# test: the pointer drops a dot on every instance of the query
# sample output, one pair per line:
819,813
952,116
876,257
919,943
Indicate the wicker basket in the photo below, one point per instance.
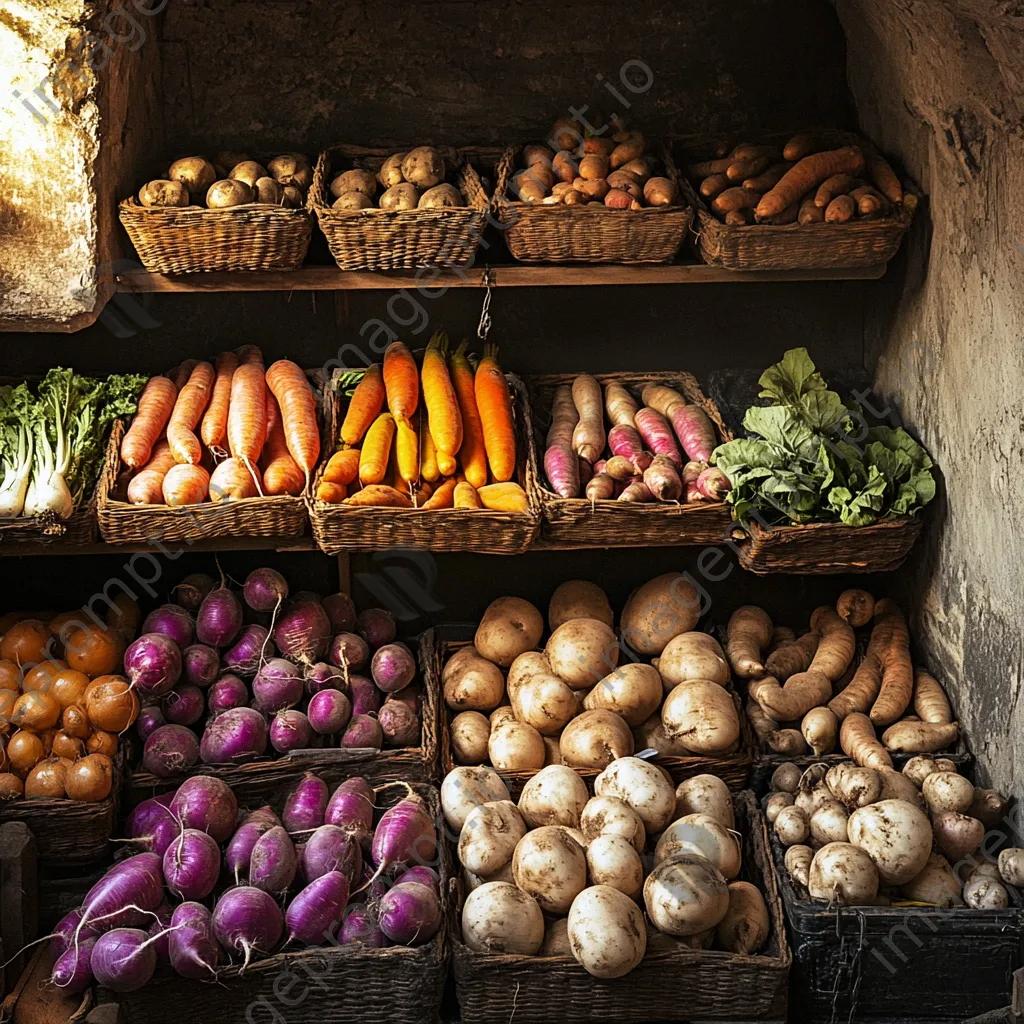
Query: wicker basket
700,985
69,831
376,239
578,522
28,533
542,233
192,239
732,769
820,549
858,243
340,527
331,984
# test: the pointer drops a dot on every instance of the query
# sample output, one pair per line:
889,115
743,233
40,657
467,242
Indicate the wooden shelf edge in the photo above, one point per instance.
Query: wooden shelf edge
507,276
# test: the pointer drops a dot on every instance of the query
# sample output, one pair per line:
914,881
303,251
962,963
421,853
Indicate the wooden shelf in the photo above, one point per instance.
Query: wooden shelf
305,543
312,279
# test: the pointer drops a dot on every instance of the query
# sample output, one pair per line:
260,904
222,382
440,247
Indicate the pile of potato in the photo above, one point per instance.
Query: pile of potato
566,874
873,836
812,693
573,169
803,182
520,707
231,179
407,181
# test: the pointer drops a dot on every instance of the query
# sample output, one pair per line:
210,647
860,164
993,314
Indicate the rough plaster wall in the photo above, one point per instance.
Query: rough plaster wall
942,85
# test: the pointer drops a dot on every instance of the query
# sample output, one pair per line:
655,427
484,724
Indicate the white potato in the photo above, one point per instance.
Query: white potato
693,656
556,938
791,826
470,732
686,895
509,627
582,651
746,926
499,918
643,786
489,837
702,835
556,795
705,794
651,735
515,746
550,866
798,863
468,787
579,599
935,883
947,791
702,715
472,683
633,690
607,815
896,835
595,739
611,860
607,933
545,702
658,611
843,873
828,824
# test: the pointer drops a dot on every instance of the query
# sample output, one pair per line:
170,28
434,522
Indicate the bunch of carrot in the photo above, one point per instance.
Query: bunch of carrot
455,449
222,431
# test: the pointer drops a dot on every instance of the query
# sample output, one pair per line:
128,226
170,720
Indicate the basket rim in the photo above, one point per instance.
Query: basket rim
131,207
754,530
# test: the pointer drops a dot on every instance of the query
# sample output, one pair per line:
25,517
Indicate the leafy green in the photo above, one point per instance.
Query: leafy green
808,462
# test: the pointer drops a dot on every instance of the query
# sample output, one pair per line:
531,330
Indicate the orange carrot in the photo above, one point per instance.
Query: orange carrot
378,494
192,401
155,407
298,412
443,497
428,455
249,354
806,175
342,467
472,454
465,496
281,473
441,402
247,414
401,381
504,497
364,406
333,494
373,456
214,430
233,479
181,373
494,402
146,487
186,485
407,451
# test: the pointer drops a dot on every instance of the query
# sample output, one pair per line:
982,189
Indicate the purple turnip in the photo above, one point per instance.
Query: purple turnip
278,685
329,712
341,611
273,862
399,724
316,912
393,667
200,665
264,590
227,693
234,737
348,651
192,865
376,626
410,914
306,805
239,849
173,621
332,848
290,730
191,946
247,919
123,959
303,630
170,750
153,664
363,732
219,618
250,651
205,803
185,704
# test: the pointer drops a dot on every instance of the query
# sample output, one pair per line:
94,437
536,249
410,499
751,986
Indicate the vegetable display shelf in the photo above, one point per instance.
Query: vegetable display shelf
494,988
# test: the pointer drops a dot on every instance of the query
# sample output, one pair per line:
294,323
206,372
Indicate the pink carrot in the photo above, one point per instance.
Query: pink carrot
563,471
637,491
601,487
713,483
657,434
626,441
662,479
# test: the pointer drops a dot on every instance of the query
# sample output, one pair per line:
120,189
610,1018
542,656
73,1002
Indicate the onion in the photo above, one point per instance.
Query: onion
332,848
273,861
303,630
290,730
341,611
123,959
410,914
361,925
393,667
191,947
376,626
173,621
170,750
399,724
366,697
153,664
185,704
152,825
90,779
329,712
207,804
363,731
200,665
316,912
323,676
235,736
71,969
110,703
149,720
247,919
347,650
219,618
277,685
306,805
227,693
189,593
192,865
264,590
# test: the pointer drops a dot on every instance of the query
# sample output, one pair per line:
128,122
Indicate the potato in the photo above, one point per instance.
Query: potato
499,918
224,159
470,732
567,134
829,824
354,181
651,735
633,690
842,873
527,666
536,153
489,836
896,835
391,170
515,747
595,191
935,883
528,190
607,933
544,702
400,197
660,192
509,627
791,826
194,172
556,938
228,192
164,193
423,167
291,169
986,894
705,794
746,926
857,787
607,815
565,167
464,789
551,867
685,895
441,196
693,656
267,190
641,168
658,611
700,834
594,166
500,715
556,795
947,791
702,715
611,860
471,682
625,181
956,835
582,651
579,599
617,199
896,786
595,739
775,804
248,171
643,786
1011,866
292,198
918,768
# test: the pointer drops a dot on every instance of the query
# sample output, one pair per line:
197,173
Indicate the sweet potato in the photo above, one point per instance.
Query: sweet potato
742,169
768,178
837,646
748,634
620,405
920,737
756,151
662,479
588,438
837,185
858,697
807,175
637,491
713,184
736,199
882,174
897,687
870,202
801,145
792,700
858,741
855,606
820,728
840,210
809,213
739,218
708,167
930,701
788,216
792,657
379,494
601,487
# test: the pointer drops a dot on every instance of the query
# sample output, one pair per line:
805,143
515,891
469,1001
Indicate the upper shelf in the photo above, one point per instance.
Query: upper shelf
313,279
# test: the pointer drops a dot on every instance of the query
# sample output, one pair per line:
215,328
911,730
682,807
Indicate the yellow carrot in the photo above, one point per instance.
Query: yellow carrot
342,467
401,381
428,456
439,397
472,454
331,492
494,403
443,497
407,449
373,456
466,496
378,494
504,497
364,406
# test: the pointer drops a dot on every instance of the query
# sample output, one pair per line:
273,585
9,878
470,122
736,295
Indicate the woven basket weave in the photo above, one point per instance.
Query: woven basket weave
732,769
698,985
27,533
857,243
591,233
376,239
341,527
579,522
192,239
